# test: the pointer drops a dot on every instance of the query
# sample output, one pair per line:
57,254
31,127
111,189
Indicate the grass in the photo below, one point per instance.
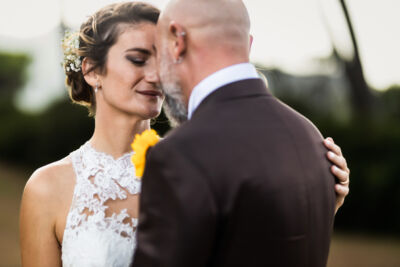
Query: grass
360,250
12,183
347,250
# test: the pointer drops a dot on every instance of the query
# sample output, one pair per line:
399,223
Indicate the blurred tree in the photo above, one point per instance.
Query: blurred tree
391,102
14,125
12,74
362,99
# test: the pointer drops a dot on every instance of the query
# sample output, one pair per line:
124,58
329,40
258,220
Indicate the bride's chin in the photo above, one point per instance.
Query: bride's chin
153,111
150,114
155,114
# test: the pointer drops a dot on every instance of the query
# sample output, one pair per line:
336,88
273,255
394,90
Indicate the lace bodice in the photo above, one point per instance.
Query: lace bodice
97,233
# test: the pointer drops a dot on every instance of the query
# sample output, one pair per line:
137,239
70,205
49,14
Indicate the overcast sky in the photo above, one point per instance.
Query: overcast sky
288,34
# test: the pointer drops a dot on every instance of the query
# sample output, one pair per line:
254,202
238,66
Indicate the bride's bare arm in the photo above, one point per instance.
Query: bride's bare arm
39,245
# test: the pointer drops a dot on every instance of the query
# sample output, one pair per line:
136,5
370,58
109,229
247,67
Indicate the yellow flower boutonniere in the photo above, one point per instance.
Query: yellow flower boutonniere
140,145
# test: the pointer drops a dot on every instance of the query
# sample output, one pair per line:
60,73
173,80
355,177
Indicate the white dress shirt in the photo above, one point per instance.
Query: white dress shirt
219,79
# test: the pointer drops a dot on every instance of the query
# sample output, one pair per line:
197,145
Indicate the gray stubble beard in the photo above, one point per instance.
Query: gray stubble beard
174,105
175,109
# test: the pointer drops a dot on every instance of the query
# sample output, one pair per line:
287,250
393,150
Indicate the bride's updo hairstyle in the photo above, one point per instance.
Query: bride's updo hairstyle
94,40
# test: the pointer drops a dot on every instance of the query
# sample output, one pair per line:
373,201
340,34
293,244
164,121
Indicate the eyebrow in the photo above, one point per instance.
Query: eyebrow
137,49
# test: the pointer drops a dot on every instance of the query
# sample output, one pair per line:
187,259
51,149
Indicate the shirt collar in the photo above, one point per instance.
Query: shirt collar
219,79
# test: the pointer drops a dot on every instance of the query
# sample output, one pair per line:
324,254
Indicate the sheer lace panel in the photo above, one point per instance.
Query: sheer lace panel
100,228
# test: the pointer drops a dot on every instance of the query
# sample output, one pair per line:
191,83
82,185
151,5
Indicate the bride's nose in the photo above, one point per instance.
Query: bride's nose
151,74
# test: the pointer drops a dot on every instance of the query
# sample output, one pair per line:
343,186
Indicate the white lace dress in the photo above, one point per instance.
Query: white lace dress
96,235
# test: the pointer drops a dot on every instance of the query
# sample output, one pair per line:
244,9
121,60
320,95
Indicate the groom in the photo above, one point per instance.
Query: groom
244,182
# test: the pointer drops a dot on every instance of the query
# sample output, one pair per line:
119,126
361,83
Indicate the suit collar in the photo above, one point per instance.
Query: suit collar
241,89
219,79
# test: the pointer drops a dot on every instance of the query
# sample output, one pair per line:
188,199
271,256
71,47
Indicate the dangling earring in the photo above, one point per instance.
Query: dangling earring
96,88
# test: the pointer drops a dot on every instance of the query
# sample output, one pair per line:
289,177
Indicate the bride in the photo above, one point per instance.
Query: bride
82,210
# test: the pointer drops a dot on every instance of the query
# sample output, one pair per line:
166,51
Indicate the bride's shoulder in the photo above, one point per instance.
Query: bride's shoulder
45,199
50,182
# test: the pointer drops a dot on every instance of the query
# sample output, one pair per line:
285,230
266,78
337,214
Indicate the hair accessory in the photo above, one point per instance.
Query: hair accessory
70,44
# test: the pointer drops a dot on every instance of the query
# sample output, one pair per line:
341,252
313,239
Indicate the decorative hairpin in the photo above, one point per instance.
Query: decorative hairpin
72,61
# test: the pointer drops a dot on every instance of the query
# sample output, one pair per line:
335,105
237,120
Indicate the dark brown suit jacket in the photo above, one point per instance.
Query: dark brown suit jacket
245,182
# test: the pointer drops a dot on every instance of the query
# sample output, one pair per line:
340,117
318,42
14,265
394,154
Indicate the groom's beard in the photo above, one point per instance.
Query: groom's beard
174,106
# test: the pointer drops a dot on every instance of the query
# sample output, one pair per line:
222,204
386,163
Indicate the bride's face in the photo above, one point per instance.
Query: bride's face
130,83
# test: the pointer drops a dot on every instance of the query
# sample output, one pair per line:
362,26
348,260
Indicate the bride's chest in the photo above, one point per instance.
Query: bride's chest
111,207
104,200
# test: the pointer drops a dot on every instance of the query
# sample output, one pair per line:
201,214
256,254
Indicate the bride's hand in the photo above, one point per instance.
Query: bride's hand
340,170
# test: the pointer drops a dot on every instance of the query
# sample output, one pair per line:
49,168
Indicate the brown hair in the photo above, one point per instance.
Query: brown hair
96,36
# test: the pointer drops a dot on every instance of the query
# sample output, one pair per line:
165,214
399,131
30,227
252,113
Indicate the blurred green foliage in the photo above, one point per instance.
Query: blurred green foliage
12,74
370,144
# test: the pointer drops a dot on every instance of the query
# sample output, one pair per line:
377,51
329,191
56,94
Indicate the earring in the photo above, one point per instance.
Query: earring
96,88
182,34
178,61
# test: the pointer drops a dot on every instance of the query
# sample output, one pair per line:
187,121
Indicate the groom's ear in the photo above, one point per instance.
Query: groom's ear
179,40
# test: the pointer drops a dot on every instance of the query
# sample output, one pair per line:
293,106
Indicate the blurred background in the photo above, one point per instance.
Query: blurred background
335,61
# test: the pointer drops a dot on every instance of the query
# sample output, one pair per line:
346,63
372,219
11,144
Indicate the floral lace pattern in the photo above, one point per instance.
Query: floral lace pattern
90,237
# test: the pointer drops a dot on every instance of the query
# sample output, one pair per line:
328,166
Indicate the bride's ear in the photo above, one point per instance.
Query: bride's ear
89,74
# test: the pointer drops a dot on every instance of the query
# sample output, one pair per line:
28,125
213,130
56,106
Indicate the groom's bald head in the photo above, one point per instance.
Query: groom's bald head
212,22
195,39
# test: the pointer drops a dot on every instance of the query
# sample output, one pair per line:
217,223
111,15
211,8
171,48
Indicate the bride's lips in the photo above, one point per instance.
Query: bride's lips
153,93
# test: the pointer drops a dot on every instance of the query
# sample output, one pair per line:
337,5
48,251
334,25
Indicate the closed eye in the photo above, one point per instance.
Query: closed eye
137,61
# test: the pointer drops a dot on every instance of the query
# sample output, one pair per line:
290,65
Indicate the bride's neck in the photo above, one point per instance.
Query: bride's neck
114,133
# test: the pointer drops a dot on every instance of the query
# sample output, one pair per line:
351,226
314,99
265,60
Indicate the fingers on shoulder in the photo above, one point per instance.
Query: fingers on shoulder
333,147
